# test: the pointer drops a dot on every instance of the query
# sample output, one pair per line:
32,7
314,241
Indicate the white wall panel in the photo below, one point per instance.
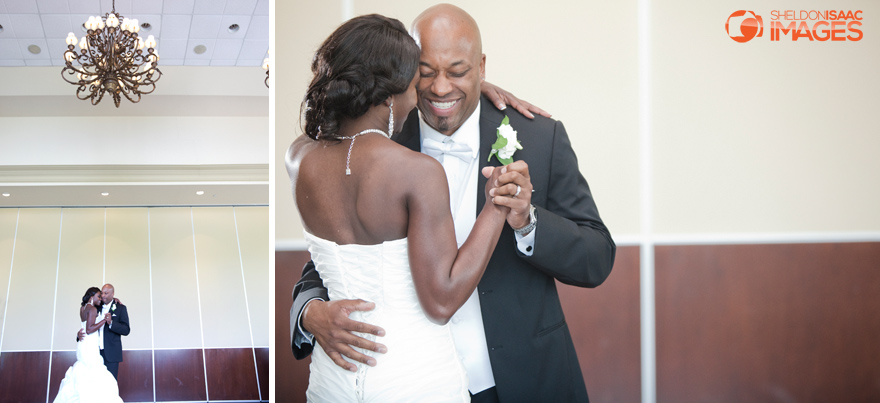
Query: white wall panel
80,266
176,321
221,286
8,220
128,269
32,290
256,255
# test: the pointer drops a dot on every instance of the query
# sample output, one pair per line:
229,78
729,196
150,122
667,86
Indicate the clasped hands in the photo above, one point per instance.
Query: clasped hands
329,321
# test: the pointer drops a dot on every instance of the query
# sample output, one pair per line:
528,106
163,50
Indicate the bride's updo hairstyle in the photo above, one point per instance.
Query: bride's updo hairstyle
89,293
366,60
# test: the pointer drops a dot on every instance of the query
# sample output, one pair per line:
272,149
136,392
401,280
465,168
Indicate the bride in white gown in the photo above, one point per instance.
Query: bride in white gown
378,221
88,380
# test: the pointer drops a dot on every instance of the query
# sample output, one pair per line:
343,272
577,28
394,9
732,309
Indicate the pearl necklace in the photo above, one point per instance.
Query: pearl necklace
352,137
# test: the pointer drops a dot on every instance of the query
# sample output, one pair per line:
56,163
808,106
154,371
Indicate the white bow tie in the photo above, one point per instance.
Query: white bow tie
435,149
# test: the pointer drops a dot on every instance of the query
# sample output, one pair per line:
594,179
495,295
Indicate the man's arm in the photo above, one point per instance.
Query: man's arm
308,287
571,243
119,323
329,323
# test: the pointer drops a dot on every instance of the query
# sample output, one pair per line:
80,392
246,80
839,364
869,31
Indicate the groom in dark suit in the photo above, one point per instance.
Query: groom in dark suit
116,327
523,350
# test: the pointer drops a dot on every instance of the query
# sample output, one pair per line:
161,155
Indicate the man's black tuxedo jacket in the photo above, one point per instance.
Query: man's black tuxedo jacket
113,334
530,348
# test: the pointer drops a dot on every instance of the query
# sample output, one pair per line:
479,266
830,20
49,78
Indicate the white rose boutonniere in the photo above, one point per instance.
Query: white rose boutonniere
506,144
112,307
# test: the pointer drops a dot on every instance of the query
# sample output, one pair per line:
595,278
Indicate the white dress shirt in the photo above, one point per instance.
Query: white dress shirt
467,323
104,310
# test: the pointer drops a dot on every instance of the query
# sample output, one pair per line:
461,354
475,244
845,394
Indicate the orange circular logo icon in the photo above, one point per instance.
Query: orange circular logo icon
744,25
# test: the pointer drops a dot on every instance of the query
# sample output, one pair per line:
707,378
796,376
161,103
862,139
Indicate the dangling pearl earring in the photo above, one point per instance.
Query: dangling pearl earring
391,119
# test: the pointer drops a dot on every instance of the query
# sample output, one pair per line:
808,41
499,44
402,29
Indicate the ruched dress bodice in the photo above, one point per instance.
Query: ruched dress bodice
421,363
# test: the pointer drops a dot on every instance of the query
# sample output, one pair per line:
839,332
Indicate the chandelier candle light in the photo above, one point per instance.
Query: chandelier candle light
111,59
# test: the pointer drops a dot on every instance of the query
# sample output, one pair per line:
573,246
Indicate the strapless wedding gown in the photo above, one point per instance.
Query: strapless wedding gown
421,364
88,380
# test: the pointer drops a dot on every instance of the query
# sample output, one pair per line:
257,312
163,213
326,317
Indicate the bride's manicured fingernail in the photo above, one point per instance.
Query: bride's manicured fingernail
371,363
382,349
491,192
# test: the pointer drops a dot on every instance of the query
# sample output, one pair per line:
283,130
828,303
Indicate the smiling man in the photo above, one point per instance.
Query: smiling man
511,334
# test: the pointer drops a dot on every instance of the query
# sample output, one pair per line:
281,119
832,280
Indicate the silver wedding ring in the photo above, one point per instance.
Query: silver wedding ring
518,189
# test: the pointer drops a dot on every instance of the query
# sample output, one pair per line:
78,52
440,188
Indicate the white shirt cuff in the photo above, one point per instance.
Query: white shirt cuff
526,244
302,335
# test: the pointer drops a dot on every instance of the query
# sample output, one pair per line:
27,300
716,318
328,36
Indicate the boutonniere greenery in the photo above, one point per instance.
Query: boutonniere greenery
506,143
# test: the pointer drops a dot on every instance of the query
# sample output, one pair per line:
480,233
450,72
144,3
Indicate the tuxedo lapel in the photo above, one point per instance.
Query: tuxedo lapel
409,136
490,119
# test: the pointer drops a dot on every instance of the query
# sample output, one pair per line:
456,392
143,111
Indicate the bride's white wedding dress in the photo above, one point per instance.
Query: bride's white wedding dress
88,380
421,364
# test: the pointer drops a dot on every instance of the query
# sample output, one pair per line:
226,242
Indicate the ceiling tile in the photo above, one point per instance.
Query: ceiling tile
53,6
179,6
56,25
216,62
209,6
147,7
155,22
2,7
197,62
205,26
90,7
23,44
27,25
262,8
8,32
176,26
170,62
249,63
9,49
255,50
56,51
191,54
21,7
240,7
227,48
12,63
243,22
259,28
76,24
171,49
123,7
38,62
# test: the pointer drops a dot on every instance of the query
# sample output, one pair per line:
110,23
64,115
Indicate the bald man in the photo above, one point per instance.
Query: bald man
112,332
511,333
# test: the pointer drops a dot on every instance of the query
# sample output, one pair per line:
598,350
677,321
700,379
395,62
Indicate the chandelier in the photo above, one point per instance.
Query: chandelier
111,59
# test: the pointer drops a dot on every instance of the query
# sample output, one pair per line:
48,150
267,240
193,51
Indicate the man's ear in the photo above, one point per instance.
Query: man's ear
483,68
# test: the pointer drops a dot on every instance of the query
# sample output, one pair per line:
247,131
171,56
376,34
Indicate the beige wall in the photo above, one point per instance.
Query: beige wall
763,136
744,138
182,272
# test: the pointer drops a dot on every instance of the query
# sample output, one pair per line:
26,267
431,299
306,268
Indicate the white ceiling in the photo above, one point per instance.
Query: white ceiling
178,25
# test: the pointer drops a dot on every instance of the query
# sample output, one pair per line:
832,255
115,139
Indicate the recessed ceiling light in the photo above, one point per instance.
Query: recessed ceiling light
105,194
200,192
146,26
34,49
7,194
233,28
199,49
